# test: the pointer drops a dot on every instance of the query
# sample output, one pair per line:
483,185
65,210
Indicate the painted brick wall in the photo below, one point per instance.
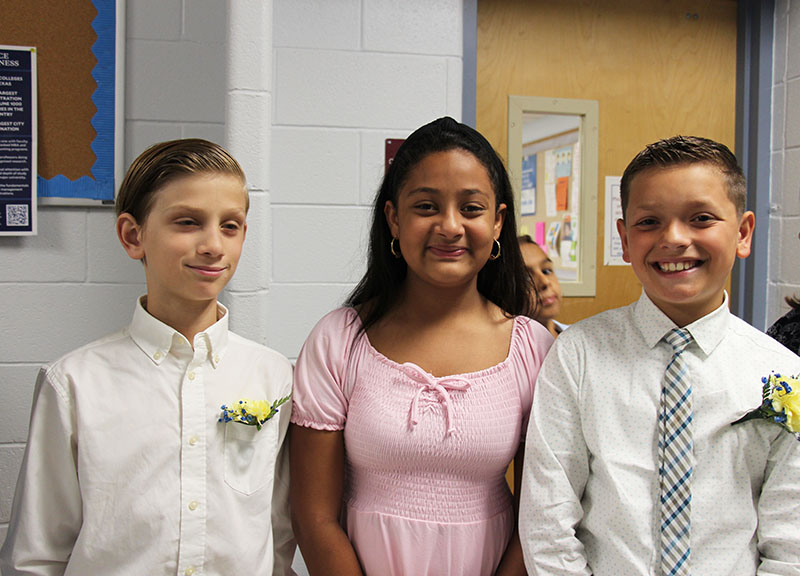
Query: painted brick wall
347,75
784,245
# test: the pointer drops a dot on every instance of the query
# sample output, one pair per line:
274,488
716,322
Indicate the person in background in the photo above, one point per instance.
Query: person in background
632,463
786,329
412,400
132,465
544,277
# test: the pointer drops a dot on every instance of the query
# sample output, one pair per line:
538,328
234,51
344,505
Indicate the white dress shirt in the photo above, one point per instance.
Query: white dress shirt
590,486
127,470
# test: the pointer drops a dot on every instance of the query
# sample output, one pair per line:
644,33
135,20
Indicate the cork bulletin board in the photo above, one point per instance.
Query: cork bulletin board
80,62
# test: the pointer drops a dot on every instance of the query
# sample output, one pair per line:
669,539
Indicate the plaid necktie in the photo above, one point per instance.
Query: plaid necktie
675,449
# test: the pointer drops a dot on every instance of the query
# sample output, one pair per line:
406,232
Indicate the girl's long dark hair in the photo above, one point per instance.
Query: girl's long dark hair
504,281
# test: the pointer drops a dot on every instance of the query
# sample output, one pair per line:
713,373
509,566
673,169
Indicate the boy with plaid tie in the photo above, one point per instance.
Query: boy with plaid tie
632,465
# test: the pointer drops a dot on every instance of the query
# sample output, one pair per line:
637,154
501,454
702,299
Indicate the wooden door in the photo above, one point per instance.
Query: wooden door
657,68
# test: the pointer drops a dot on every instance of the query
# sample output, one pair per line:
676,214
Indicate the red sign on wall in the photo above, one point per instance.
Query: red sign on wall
392,146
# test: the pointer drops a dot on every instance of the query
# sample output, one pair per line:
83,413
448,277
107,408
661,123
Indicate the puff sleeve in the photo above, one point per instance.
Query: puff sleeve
320,388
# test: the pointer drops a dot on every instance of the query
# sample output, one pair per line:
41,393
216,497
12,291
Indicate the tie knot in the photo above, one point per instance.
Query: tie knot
678,338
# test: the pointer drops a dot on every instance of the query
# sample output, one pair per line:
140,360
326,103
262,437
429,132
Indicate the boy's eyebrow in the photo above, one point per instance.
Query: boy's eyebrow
197,209
183,211
656,206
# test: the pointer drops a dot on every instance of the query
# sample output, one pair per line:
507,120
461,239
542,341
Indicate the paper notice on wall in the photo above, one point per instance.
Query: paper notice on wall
564,162
550,183
18,145
550,198
562,193
575,181
569,254
528,194
549,167
540,236
613,244
553,239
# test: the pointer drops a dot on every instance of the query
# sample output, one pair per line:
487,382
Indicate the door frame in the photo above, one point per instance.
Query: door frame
755,37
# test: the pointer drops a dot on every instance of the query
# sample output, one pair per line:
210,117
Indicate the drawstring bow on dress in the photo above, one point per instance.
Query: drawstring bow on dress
430,383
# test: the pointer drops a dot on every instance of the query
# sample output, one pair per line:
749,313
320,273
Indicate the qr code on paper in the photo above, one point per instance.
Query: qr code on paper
17,215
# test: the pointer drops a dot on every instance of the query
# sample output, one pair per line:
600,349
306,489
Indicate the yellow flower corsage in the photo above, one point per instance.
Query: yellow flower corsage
780,403
251,412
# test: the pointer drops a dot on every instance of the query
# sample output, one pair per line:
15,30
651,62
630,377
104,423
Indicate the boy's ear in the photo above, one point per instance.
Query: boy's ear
746,226
130,235
623,235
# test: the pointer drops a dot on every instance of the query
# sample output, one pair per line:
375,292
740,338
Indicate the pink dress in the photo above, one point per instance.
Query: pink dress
425,489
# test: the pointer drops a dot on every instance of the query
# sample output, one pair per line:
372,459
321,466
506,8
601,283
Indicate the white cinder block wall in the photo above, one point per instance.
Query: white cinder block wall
73,283
346,74
784,263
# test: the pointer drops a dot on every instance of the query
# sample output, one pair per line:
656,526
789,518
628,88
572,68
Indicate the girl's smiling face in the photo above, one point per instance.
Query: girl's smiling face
446,219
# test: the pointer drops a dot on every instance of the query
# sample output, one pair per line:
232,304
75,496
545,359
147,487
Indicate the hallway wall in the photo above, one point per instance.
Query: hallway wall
784,245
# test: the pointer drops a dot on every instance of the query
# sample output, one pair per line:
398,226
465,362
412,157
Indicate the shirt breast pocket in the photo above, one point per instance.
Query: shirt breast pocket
249,456
713,413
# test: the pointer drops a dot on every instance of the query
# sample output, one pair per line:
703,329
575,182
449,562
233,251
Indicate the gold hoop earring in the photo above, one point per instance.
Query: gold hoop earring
493,255
395,251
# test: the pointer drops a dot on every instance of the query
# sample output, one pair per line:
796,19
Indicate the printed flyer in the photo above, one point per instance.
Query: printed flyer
17,141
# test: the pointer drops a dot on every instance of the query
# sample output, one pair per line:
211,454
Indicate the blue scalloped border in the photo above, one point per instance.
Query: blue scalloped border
100,185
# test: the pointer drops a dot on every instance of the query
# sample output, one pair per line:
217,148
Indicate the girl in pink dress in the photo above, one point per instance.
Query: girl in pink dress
411,401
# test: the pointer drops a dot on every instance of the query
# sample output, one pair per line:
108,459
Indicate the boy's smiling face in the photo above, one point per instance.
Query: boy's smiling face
190,241
681,235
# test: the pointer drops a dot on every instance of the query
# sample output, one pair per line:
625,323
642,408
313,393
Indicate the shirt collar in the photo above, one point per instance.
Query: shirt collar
156,339
707,331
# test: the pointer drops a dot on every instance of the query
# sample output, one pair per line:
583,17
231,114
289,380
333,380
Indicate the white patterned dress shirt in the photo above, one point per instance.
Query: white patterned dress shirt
128,472
590,485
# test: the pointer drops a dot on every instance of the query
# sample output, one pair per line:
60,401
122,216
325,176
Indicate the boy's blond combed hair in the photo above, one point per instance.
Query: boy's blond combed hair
682,150
167,161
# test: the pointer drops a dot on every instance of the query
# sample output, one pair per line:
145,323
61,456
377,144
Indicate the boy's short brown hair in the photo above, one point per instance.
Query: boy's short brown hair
166,161
688,150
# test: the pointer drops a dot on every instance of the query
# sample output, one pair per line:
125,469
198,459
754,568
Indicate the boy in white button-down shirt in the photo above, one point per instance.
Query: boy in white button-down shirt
591,488
131,466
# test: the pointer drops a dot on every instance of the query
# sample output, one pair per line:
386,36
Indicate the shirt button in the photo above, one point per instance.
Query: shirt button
191,375
216,359
192,440
157,355
193,505
189,571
